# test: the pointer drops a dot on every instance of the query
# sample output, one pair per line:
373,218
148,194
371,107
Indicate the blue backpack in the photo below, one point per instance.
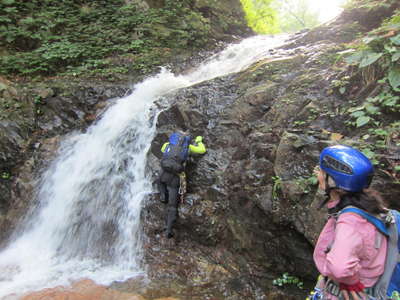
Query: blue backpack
388,285
176,153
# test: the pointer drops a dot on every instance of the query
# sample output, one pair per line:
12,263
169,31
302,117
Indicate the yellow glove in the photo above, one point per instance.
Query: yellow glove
198,139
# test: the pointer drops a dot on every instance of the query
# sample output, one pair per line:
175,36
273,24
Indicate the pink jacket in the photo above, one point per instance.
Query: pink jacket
357,254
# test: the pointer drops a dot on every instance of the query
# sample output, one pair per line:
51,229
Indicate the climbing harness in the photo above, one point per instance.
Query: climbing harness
182,186
324,288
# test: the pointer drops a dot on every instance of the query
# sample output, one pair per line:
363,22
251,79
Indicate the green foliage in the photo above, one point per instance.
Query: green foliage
394,76
341,84
381,50
378,139
369,152
287,279
260,15
370,111
381,47
295,15
5,175
299,123
37,100
306,183
277,182
44,37
377,60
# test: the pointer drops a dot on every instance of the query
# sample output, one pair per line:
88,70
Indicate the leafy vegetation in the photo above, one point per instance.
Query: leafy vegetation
287,279
5,175
306,183
295,15
277,182
376,59
380,51
261,16
44,37
273,16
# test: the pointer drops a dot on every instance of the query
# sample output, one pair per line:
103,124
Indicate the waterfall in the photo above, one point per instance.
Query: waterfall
87,223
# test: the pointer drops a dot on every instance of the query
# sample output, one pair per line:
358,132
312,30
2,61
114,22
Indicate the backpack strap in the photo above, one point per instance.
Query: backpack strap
382,288
379,224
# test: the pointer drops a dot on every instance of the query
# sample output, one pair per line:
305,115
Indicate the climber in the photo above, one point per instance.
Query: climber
172,180
350,252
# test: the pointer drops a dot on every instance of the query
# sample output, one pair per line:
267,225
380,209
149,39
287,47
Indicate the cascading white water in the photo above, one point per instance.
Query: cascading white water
87,222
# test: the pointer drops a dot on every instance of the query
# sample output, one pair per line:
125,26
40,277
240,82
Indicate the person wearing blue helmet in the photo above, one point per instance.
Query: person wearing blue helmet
350,252
172,180
350,169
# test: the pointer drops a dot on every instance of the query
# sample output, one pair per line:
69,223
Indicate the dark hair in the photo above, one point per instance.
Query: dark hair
368,199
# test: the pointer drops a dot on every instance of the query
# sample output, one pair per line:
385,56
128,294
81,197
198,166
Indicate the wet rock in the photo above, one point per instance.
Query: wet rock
45,93
7,89
233,200
30,130
11,142
82,290
175,116
253,189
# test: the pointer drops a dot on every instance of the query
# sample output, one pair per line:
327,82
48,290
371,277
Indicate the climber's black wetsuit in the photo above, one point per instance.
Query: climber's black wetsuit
169,188
169,182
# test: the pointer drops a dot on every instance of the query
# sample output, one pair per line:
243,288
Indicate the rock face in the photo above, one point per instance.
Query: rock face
251,211
30,129
245,213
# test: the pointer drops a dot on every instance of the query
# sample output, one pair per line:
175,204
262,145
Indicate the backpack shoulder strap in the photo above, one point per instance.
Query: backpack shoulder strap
379,224
390,228
383,286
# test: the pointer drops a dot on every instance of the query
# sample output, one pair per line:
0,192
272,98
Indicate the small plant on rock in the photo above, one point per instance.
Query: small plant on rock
287,279
5,175
276,186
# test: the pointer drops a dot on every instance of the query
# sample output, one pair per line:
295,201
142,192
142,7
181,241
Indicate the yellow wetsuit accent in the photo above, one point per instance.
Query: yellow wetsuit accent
164,146
197,149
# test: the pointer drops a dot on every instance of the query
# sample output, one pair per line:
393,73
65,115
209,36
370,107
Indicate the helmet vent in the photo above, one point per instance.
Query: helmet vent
330,162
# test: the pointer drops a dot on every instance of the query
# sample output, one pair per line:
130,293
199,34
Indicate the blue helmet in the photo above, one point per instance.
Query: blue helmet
349,168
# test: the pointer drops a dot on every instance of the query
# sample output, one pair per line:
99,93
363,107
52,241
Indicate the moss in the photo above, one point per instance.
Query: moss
301,84
351,30
270,69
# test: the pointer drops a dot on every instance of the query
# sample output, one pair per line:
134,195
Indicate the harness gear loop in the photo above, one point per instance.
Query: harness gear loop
182,186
